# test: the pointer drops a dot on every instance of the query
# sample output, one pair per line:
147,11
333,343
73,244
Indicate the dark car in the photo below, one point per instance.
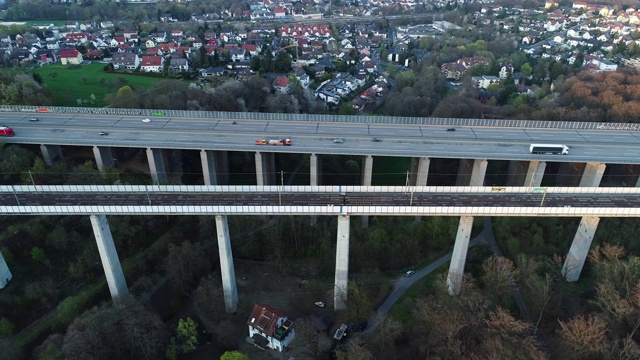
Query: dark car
102,133
362,326
451,129
376,139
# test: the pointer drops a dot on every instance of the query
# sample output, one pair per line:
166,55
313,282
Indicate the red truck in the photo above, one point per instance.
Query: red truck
285,142
6,131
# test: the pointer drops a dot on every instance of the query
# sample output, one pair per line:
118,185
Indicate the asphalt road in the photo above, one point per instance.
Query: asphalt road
320,199
619,146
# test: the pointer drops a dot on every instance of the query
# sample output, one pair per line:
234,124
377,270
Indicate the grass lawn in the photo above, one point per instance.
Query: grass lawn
69,85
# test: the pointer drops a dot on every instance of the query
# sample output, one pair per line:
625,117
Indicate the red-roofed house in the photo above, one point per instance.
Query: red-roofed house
251,48
279,12
269,328
70,57
281,84
151,64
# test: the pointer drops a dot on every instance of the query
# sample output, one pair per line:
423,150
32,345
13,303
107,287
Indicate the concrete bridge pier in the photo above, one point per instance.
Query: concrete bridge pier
265,168
419,174
471,172
215,167
342,264
51,153
315,169
419,171
227,269
459,255
479,172
592,175
5,273
157,167
315,172
367,175
109,257
535,173
580,248
104,157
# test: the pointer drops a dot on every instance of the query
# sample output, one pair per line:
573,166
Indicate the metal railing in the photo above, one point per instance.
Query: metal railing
528,124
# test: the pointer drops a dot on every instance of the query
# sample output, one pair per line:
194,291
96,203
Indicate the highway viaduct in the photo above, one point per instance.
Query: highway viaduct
589,203
476,142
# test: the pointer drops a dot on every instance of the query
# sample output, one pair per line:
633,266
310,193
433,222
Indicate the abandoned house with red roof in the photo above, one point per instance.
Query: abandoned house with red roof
269,328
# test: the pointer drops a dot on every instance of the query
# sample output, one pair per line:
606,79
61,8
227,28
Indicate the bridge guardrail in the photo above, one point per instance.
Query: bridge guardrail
366,119
337,189
330,210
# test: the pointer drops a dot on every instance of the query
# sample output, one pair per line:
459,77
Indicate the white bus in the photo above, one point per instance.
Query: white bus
556,149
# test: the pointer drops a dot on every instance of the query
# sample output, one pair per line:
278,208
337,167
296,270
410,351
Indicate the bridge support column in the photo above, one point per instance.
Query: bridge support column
342,264
265,168
50,153
155,157
104,157
419,171
209,168
459,255
109,257
580,248
592,174
315,169
535,173
5,273
227,269
478,173
367,174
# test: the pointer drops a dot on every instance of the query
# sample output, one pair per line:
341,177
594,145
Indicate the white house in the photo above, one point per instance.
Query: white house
269,328
482,82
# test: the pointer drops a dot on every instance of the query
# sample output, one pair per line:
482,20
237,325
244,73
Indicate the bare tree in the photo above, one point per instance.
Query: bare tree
584,335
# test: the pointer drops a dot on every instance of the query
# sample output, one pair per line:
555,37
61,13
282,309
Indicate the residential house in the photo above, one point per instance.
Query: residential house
76,38
505,69
302,76
126,61
483,82
269,328
70,57
151,63
178,65
93,55
212,72
281,84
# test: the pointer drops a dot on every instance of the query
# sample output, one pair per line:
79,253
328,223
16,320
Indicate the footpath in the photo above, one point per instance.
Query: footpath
486,237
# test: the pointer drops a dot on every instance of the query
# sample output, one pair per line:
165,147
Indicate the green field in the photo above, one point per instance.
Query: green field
72,84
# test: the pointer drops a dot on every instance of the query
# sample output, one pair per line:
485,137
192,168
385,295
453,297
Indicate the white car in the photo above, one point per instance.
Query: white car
409,273
146,120
320,304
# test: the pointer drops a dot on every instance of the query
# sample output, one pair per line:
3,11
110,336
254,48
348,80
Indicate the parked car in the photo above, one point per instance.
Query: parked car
409,273
320,304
